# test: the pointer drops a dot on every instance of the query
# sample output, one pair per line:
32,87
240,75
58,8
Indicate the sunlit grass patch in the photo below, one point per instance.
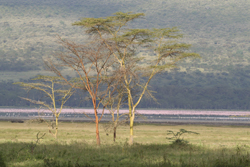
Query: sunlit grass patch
76,146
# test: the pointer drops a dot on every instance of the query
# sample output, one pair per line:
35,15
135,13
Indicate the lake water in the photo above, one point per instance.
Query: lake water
142,115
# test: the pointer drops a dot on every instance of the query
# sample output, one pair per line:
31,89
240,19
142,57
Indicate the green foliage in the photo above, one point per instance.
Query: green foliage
80,154
123,43
10,62
108,24
183,90
47,85
216,29
234,160
53,87
177,136
53,162
2,163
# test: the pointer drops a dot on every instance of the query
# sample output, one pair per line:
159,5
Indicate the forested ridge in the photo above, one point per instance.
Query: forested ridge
173,90
218,30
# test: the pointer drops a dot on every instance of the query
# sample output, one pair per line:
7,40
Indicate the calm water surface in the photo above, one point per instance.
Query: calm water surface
148,115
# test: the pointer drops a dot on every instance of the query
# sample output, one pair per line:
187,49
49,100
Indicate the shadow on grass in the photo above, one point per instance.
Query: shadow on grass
78,154
2,163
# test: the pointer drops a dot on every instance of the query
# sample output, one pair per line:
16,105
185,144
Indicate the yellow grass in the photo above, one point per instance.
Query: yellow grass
210,136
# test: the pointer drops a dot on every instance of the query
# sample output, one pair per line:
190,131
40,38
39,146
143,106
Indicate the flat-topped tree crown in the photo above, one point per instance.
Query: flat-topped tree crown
161,48
109,25
52,87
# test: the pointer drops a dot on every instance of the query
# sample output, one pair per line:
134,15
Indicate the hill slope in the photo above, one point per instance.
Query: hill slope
218,30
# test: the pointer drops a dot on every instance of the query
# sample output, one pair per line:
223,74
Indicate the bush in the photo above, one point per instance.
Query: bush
177,136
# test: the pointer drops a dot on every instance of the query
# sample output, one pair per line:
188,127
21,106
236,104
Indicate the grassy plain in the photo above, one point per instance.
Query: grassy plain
214,146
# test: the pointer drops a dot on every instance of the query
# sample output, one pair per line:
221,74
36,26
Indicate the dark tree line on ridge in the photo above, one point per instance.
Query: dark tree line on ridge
174,90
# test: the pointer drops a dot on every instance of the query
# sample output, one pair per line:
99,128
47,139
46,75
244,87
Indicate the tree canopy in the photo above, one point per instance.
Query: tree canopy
124,43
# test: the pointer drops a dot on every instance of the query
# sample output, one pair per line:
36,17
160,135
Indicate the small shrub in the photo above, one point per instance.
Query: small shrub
177,136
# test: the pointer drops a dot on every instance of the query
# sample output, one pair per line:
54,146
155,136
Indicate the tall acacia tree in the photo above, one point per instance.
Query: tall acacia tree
92,63
49,86
161,46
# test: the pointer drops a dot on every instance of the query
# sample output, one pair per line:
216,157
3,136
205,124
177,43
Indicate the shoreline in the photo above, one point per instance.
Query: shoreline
151,121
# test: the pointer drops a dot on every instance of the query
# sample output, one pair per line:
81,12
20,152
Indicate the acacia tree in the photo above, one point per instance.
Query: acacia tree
125,43
92,63
48,85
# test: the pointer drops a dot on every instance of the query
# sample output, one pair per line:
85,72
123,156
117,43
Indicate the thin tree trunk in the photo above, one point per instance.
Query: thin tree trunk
131,139
114,133
131,130
131,120
56,127
98,142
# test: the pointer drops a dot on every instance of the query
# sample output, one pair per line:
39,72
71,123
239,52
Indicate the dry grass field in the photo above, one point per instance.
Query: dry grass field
209,136
75,146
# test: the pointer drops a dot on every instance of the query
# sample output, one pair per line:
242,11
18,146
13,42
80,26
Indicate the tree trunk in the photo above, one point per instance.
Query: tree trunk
98,142
56,127
114,133
131,130
131,119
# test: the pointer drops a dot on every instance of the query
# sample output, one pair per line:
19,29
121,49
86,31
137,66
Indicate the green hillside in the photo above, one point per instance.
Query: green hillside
218,30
